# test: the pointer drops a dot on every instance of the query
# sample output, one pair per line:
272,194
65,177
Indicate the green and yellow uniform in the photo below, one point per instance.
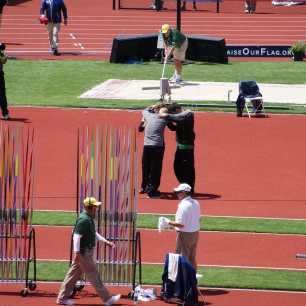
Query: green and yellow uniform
175,39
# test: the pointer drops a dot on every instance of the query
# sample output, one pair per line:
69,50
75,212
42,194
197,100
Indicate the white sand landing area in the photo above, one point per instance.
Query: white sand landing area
192,91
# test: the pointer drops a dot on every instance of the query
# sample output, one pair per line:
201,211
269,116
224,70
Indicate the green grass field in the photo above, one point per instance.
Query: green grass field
223,277
225,224
212,277
60,83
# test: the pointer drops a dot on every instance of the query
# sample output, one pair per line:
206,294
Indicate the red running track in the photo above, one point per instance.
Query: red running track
214,248
95,25
245,167
45,295
249,162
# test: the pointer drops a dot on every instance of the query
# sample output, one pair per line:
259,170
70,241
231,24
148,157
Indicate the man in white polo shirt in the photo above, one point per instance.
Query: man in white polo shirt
187,224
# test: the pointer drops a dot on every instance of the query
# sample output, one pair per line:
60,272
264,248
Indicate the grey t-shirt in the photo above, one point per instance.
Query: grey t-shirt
154,129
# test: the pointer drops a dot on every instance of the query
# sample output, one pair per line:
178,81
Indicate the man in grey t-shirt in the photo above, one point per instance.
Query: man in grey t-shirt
153,149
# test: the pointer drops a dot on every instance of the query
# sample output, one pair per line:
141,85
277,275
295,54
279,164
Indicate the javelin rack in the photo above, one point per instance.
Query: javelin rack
15,270
107,170
17,236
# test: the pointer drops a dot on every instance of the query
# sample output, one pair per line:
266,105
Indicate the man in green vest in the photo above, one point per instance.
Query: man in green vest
176,44
84,241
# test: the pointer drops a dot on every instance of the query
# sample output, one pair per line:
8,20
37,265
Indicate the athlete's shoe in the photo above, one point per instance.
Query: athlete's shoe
65,302
173,79
178,80
113,300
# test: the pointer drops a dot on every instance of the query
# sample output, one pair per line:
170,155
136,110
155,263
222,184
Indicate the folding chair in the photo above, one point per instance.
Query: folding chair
250,98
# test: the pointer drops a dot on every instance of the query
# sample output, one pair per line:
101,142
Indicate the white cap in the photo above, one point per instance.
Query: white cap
182,187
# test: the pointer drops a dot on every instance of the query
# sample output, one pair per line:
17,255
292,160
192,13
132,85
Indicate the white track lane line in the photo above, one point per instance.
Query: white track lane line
72,35
77,44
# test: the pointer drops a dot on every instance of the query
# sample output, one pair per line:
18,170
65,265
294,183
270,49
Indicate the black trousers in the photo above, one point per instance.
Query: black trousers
152,161
184,166
159,5
3,100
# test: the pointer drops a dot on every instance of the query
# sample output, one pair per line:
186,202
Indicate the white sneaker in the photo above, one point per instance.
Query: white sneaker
65,302
113,300
199,275
178,80
173,78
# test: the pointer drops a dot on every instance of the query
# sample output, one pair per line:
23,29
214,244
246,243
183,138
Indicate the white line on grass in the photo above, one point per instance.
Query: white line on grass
220,216
203,266
172,214
205,231
234,232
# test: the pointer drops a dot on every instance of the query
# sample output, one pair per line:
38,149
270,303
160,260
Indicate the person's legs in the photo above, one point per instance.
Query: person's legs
53,30
49,28
145,168
247,6
3,100
55,39
89,267
72,276
178,67
185,167
1,11
158,5
156,157
193,243
253,6
177,165
186,245
179,55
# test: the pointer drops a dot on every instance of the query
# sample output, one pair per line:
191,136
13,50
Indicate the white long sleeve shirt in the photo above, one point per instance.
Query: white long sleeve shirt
77,241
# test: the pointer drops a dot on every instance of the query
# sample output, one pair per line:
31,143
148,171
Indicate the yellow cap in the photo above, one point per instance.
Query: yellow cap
165,28
90,201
